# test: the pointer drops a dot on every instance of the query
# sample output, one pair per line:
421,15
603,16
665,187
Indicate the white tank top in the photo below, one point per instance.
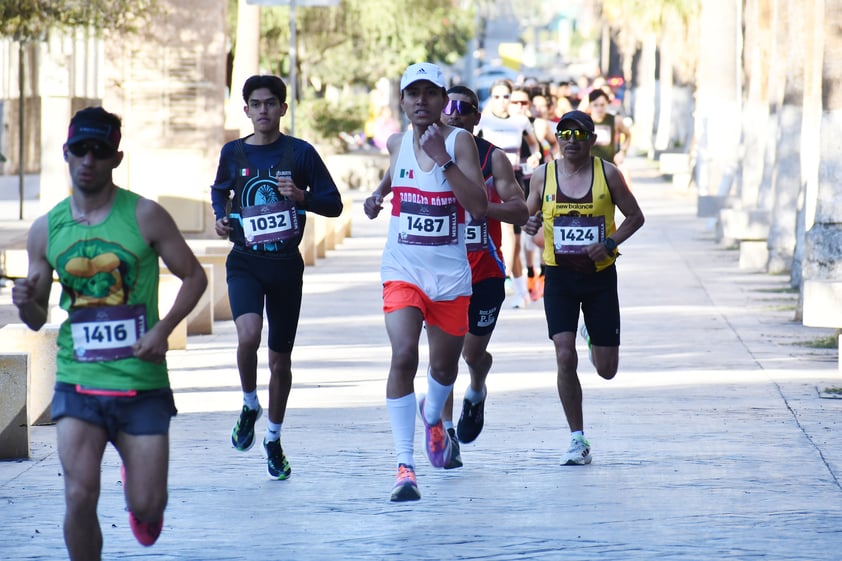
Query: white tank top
506,134
426,243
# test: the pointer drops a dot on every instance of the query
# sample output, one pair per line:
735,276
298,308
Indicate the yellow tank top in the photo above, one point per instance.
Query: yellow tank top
570,225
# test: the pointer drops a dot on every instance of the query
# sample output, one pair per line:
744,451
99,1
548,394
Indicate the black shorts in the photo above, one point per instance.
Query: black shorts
276,281
566,291
143,413
486,299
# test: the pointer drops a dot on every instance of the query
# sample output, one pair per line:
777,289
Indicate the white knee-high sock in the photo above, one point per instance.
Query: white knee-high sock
434,401
402,417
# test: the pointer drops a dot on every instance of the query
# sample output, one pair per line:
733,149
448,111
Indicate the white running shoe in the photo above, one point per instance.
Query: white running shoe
509,286
579,452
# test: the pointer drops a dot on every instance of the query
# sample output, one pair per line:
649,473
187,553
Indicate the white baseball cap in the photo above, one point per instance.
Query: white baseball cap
422,71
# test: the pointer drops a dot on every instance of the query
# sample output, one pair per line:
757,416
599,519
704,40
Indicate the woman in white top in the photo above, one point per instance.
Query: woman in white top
506,131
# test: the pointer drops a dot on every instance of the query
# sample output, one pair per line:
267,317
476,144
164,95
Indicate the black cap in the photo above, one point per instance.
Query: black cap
94,123
580,118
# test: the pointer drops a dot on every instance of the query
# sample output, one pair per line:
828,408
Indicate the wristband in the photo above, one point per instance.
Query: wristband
447,165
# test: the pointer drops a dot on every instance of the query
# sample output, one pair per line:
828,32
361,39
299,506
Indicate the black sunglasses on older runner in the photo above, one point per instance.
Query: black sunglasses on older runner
100,151
461,107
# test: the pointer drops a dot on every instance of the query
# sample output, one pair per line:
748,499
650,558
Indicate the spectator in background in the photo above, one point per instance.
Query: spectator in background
563,99
613,137
507,131
384,126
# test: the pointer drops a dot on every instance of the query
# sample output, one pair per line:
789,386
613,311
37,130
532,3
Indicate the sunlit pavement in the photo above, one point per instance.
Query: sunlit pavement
711,443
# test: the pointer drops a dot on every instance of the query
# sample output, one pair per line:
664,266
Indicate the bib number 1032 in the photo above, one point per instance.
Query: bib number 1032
270,222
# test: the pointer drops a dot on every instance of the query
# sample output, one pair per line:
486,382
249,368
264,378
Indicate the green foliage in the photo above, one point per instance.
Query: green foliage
322,121
28,20
359,41
829,342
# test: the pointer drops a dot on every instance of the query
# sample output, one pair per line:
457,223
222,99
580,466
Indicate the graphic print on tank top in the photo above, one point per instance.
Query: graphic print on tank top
98,276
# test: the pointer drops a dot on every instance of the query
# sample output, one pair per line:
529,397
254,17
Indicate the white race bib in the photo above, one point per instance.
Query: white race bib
270,222
572,234
106,332
422,224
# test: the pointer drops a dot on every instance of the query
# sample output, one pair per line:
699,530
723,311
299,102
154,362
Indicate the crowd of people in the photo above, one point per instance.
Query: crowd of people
465,187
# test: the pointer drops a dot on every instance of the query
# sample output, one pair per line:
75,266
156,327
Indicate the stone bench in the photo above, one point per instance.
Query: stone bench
677,166
323,234
822,307
41,346
749,229
14,413
200,319
15,263
27,379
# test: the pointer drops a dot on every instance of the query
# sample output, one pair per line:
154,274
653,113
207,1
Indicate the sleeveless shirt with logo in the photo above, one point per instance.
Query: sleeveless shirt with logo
426,239
570,225
109,278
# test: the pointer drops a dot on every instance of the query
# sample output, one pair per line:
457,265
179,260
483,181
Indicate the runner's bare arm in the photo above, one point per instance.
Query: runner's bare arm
32,294
159,229
513,208
466,180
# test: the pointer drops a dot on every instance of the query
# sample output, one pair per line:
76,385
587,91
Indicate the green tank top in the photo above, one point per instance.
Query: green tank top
109,280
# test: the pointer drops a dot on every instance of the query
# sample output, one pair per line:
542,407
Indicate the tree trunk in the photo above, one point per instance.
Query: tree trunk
718,106
784,171
822,208
663,136
246,63
759,44
644,106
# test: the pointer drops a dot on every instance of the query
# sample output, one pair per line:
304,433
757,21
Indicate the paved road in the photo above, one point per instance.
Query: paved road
711,443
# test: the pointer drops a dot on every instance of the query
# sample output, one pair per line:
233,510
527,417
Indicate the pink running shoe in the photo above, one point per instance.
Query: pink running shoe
437,439
406,486
146,532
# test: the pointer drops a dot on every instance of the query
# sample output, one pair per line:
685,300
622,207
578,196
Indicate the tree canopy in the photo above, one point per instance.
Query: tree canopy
26,20
359,41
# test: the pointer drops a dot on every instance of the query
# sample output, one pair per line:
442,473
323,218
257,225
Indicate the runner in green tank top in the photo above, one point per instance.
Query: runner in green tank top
103,242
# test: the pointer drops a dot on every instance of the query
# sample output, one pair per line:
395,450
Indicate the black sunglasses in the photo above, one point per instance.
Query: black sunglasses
100,151
461,107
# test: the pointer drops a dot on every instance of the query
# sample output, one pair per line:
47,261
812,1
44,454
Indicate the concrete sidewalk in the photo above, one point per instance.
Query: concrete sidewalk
711,443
